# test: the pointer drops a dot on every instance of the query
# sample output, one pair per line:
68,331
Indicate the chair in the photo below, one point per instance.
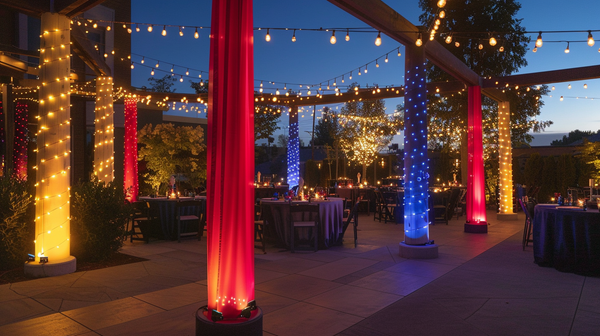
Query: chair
363,196
379,204
188,213
352,219
259,224
461,203
390,202
306,216
140,219
528,225
440,207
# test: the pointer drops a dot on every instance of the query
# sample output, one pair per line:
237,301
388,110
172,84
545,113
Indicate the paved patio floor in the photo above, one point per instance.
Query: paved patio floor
481,284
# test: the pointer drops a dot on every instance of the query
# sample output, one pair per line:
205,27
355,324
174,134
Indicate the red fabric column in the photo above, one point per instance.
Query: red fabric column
476,216
230,174
20,146
130,162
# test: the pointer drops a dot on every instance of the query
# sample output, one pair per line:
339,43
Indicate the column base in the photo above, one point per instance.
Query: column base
476,228
429,251
247,327
49,269
507,216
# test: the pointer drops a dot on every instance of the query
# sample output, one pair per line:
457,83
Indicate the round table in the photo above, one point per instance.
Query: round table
566,238
331,213
163,208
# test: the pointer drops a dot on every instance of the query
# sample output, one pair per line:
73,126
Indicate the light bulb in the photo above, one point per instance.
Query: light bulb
561,98
164,31
187,72
132,66
108,28
137,28
332,40
347,35
539,42
567,50
142,60
150,29
196,35
181,79
180,32
294,36
591,41
442,14
172,67
569,87
419,41
399,54
492,41
156,64
386,58
501,49
585,86
268,36
441,3
457,44
553,88
437,23
480,46
448,39
534,49
366,69
152,72
378,39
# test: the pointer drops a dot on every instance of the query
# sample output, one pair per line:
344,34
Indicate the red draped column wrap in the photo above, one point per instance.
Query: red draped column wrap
230,175
130,162
476,216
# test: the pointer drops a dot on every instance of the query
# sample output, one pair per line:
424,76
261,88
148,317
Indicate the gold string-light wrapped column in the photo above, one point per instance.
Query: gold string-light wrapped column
505,165
53,180
104,154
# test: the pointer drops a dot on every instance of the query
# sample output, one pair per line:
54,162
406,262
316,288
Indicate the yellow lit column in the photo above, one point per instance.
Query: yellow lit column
505,165
104,130
52,229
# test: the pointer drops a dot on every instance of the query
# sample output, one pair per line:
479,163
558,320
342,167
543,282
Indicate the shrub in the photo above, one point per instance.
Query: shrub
99,215
15,220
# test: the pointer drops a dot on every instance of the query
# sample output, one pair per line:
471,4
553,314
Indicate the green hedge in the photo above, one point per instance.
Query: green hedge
99,215
16,222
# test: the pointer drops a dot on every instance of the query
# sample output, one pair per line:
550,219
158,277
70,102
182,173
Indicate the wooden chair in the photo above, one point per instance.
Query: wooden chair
140,221
379,205
305,216
390,202
188,213
363,197
528,225
259,225
440,207
352,219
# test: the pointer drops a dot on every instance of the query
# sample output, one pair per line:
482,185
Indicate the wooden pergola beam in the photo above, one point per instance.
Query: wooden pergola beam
383,18
72,8
545,77
84,48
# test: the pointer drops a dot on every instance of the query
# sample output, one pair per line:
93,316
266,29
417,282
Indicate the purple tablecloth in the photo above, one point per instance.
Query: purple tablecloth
567,238
331,213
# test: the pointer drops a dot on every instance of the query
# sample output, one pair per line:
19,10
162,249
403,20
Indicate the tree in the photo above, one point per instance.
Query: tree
365,129
572,137
565,173
533,171
163,84
199,87
282,140
590,155
548,187
172,150
326,130
265,120
471,24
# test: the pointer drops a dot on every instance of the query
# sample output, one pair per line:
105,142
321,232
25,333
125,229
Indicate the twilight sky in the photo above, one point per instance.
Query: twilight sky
312,59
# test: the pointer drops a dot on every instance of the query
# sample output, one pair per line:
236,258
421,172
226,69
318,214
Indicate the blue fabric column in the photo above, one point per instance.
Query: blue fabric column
416,163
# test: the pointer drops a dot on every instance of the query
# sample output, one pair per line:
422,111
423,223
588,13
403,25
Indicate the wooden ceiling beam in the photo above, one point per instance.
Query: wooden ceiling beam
72,8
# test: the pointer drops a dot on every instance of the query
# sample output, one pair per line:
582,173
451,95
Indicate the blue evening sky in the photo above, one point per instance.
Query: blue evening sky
312,59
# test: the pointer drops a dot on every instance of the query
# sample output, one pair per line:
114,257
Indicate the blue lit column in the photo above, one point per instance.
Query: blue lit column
416,163
293,150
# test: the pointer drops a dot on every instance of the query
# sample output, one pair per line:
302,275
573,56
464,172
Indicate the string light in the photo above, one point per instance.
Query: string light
441,3
137,28
567,49
347,35
294,36
196,35
268,36
378,39
538,41
590,41
492,41
180,32
449,39
419,41
333,40
164,31
149,28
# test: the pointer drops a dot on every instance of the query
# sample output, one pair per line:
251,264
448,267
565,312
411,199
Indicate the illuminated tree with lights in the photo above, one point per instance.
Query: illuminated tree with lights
172,150
365,130
467,33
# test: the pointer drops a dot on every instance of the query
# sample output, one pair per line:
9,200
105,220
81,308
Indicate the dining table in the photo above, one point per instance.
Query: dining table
331,213
567,238
163,210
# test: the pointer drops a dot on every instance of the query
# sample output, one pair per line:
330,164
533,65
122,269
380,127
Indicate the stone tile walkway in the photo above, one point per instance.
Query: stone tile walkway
480,285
